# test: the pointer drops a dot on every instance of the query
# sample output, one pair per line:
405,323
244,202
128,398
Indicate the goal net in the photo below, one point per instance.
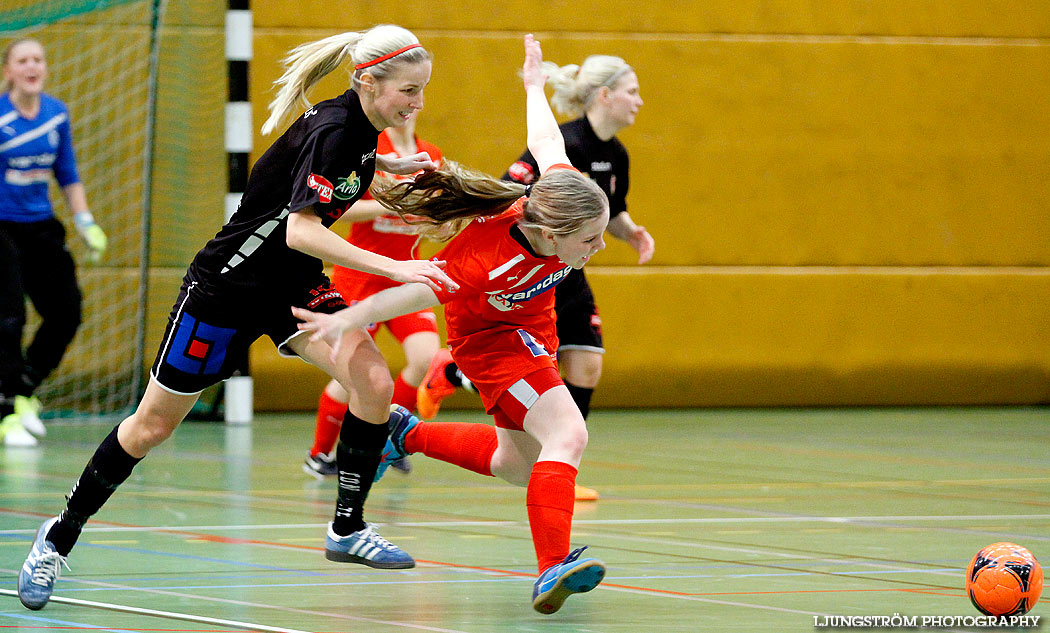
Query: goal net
99,64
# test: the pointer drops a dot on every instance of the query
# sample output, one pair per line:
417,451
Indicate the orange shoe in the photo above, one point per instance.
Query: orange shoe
435,386
583,493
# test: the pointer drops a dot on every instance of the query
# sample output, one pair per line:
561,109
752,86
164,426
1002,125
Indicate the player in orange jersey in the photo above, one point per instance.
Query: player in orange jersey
381,231
501,329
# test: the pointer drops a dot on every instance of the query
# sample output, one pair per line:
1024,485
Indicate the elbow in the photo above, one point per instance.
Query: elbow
294,235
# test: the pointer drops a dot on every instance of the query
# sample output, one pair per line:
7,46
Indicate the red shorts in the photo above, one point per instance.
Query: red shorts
510,409
401,327
497,360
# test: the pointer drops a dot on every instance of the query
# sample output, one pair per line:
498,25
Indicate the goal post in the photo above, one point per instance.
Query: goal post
101,57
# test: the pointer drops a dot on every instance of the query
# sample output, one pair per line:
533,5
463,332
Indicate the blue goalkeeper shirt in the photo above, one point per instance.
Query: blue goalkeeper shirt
30,152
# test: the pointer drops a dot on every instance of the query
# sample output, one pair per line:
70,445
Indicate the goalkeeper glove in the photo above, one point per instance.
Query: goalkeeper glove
92,234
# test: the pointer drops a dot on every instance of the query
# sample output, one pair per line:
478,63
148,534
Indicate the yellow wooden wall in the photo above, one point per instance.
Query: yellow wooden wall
850,199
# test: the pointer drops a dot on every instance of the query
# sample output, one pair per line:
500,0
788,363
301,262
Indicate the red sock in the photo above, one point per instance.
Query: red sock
549,500
330,414
466,445
404,393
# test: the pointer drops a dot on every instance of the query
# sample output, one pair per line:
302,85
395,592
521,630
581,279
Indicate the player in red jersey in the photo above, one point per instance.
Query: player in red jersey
501,329
381,231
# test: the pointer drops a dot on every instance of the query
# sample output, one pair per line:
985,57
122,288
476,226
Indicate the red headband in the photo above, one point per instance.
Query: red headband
379,60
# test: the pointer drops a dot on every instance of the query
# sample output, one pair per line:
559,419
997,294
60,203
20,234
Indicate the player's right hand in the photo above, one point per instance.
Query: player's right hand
423,271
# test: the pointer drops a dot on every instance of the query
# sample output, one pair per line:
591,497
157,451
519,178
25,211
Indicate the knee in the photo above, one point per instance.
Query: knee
67,319
415,370
571,442
378,388
147,430
583,370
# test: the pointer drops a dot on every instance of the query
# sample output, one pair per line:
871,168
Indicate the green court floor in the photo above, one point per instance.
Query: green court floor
709,520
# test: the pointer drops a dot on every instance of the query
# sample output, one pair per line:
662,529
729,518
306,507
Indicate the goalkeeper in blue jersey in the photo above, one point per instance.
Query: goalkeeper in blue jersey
36,145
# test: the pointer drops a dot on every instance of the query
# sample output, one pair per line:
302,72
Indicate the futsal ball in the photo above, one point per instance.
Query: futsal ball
1004,579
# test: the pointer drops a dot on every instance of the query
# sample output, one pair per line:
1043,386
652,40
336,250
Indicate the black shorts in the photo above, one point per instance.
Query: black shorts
579,326
211,328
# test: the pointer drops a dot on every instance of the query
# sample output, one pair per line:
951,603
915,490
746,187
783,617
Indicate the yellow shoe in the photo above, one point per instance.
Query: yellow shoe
27,408
14,434
583,493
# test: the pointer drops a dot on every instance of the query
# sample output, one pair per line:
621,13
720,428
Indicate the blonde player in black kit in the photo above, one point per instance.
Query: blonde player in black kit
268,258
603,92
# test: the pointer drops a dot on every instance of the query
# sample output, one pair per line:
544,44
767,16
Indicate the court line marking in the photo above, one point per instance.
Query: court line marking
505,523
186,617
66,624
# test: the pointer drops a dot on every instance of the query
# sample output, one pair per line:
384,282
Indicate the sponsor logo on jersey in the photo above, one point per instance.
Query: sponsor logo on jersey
601,165
323,294
507,301
309,113
25,162
347,187
321,185
369,155
522,172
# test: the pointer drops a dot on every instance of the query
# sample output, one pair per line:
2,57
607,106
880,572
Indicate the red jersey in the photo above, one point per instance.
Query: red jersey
501,321
387,234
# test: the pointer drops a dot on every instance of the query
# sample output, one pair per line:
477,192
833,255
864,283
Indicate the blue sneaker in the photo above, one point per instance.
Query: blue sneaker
37,579
560,581
365,546
400,422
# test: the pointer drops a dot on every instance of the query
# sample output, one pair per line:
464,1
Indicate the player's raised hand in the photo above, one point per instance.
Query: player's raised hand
532,70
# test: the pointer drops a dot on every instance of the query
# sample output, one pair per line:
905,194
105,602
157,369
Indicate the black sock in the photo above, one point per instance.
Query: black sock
7,406
357,457
456,378
582,397
30,381
109,467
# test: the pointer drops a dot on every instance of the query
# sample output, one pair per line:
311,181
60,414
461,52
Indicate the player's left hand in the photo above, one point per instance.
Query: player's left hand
323,327
641,241
92,234
403,166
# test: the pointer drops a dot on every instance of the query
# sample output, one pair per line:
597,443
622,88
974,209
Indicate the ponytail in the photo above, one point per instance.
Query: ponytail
448,198
575,86
560,201
304,66
378,50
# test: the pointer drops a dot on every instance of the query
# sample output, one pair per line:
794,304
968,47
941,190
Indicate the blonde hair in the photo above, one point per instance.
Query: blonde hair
5,85
576,85
560,201
306,64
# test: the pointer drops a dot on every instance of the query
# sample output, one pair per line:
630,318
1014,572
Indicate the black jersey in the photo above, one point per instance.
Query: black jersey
605,162
326,160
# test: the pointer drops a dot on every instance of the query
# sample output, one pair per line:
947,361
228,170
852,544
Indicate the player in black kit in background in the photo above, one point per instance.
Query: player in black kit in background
604,93
268,258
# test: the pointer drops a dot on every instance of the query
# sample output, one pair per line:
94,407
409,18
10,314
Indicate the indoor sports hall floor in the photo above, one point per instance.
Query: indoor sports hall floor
710,520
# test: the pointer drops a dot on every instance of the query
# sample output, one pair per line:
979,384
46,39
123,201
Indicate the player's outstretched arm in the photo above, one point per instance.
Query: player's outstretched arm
543,137
382,306
306,234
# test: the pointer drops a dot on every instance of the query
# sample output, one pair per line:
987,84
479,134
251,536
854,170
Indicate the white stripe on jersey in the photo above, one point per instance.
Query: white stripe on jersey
254,241
22,139
496,272
526,277
7,118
